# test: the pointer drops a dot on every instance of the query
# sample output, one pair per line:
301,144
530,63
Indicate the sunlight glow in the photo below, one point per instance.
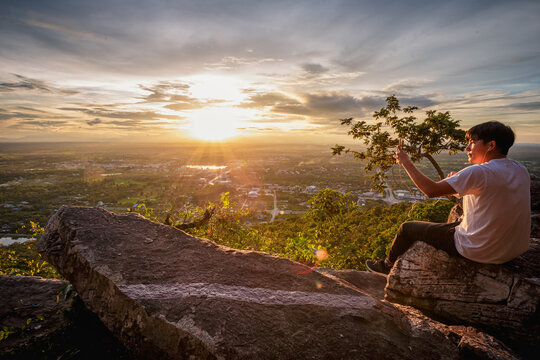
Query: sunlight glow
215,124
217,87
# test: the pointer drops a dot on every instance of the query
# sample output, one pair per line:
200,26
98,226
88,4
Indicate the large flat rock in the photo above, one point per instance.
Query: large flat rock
166,294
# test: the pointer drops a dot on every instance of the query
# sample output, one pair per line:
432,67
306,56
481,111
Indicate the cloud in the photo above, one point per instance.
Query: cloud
322,108
406,86
269,99
192,104
528,106
233,62
6,115
419,101
125,123
337,102
176,94
313,80
42,123
255,128
184,102
30,109
324,104
314,69
111,113
311,62
25,83
495,100
164,91
74,33
93,122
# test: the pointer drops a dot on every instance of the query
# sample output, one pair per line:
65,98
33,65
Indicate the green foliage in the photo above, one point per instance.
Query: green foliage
327,203
34,228
351,238
334,233
143,210
6,331
435,211
23,259
226,226
437,133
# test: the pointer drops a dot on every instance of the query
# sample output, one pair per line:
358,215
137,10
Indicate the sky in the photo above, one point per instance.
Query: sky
164,70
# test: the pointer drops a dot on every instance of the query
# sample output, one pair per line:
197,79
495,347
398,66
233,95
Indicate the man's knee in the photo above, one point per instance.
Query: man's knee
412,230
403,240
406,227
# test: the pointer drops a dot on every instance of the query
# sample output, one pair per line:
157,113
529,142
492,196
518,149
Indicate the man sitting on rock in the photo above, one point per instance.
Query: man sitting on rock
496,203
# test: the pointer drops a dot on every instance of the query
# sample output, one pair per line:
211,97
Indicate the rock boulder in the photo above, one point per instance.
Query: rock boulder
535,194
42,321
29,306
504,299
167,294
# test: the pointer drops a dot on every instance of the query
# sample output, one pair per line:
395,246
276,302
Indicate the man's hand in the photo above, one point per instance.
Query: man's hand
400,155
425,184
450,174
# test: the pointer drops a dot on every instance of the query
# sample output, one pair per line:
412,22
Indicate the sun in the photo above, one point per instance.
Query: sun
224,117
215,124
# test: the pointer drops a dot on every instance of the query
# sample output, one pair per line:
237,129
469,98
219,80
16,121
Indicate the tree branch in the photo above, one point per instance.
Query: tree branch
204,220
435,165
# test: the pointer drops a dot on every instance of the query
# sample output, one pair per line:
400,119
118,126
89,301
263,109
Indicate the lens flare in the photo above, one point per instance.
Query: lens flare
304,269
321,254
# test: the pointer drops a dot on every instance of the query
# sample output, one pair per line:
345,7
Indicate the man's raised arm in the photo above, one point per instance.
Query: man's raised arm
429,187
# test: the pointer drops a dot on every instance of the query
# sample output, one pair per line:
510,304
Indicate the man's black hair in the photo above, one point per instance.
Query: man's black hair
493,130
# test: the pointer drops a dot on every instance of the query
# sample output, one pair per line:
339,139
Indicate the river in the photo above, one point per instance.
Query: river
5,241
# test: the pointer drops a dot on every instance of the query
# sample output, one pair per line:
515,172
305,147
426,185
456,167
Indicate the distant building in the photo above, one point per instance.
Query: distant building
369,194
400,194
253,193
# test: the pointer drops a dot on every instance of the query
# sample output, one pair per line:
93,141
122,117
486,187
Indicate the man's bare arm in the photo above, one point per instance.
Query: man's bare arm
426,185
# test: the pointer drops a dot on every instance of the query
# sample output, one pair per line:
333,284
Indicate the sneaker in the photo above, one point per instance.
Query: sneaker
378,266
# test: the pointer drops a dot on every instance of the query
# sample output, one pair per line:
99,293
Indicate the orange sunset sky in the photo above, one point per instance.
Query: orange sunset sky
217,70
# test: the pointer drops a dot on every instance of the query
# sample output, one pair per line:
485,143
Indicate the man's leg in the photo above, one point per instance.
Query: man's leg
440,236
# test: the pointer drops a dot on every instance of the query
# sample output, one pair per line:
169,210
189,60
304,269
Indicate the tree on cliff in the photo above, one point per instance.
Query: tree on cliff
327,203
437,133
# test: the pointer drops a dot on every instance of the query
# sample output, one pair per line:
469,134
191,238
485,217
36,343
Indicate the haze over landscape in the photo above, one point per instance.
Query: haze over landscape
218,70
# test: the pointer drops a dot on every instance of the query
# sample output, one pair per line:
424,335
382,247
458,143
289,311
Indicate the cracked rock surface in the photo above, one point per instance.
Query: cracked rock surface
502,299
168,295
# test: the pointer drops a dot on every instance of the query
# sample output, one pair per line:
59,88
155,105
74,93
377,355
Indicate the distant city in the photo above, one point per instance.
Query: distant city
36,179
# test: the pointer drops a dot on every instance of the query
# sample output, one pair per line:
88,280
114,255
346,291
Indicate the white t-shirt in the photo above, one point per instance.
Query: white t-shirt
496,224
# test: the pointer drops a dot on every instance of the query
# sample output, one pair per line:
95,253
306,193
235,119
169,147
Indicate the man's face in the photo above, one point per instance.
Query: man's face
477,151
